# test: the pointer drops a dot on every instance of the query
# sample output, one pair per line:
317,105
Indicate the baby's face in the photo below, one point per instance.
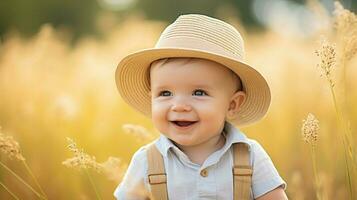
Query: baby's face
191,99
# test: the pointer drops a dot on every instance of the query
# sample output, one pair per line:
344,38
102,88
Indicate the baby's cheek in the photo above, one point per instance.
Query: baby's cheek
211,107
213,112
158,111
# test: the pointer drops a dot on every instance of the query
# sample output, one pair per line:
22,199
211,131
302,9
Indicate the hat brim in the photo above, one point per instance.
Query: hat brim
134,86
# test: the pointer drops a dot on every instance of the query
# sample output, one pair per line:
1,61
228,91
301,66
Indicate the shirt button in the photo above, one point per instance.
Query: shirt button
204,173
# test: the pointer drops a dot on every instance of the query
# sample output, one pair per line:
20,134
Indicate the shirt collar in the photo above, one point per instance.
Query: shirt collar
233,135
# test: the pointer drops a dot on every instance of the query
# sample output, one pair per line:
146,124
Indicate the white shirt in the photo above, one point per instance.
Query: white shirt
184,181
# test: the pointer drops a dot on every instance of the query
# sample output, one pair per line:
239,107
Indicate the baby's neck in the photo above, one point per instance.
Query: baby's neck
199,153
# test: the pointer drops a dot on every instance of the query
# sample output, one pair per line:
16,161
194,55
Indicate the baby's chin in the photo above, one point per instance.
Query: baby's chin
183,142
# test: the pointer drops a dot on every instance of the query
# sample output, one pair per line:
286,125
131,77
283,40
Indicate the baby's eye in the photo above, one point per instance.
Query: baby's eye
165,93
199,92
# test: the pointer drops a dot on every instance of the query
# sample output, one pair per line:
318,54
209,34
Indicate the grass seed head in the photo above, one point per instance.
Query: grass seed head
138,131
345,23
114,168
310,128
10,147
81,160
327,54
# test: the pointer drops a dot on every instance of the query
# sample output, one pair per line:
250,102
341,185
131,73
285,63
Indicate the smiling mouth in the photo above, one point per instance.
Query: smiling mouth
184,123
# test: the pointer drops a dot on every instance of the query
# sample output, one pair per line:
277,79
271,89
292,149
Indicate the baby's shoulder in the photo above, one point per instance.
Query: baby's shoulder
256,150
141,154
253,144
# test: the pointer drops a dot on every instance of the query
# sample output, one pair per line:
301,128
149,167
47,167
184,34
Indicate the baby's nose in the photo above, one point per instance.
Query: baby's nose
181,108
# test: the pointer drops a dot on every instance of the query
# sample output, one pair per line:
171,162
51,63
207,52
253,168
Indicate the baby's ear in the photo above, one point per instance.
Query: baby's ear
235,103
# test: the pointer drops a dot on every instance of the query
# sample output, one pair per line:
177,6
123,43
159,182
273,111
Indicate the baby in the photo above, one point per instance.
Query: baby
197,90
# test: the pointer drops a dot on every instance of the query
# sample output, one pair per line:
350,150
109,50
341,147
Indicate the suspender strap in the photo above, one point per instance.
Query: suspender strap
242,172
156,174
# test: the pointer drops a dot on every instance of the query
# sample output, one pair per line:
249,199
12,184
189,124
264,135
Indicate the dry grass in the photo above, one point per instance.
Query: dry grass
51,90
310,129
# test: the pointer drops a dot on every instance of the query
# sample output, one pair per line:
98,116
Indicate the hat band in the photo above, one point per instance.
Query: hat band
197,44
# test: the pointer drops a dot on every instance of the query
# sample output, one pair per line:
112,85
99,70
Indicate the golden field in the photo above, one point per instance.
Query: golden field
51,89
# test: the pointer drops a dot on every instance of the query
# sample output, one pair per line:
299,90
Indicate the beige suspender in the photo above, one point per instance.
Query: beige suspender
156,174
242,173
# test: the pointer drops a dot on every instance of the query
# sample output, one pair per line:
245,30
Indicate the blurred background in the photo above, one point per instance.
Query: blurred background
57,64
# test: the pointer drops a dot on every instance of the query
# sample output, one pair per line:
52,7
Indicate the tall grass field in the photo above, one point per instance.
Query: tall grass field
67,134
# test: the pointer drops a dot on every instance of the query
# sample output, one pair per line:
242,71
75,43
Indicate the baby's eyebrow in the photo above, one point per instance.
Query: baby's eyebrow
193,86
160,87
203,86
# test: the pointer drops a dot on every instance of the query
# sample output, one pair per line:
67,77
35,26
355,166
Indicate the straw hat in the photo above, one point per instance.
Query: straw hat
199,36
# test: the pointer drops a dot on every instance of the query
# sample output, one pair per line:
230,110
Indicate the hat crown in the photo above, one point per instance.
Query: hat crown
202,28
